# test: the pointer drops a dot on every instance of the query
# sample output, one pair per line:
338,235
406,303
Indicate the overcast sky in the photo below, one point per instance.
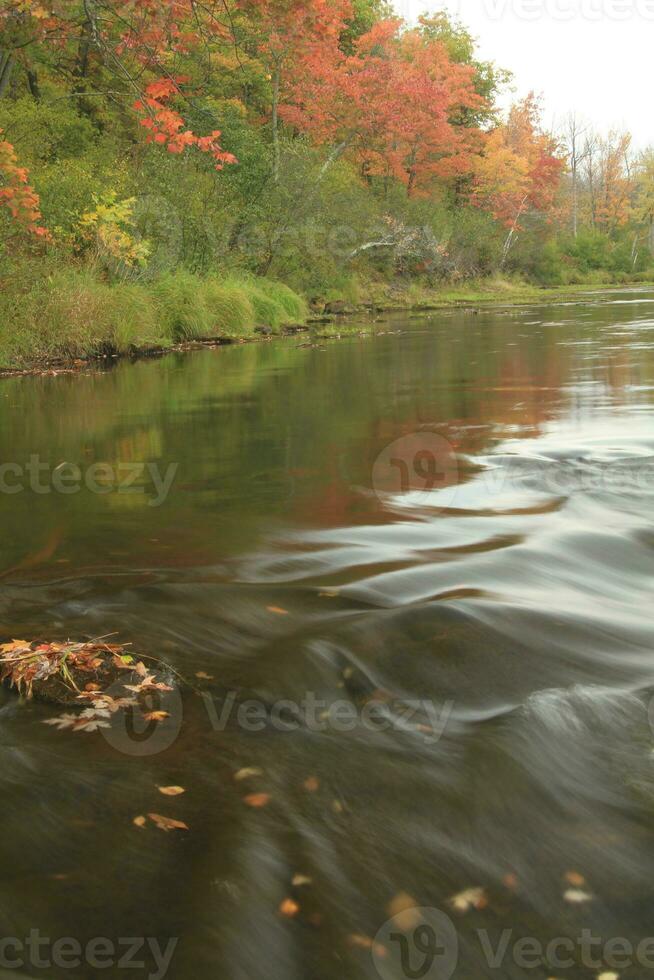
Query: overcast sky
594,56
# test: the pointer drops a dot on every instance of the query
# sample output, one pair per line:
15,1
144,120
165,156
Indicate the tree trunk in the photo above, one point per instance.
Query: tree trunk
7,62
275,124
33,83
333,157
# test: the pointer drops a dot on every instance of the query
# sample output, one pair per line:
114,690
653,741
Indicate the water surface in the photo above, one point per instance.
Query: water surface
514,605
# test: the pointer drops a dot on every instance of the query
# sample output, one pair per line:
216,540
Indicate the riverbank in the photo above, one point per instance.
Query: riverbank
73,317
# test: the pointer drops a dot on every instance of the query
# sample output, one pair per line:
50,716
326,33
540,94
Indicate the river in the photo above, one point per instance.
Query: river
435,546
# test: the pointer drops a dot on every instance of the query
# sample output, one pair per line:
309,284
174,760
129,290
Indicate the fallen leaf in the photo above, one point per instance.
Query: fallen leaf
576,896
404,910
289,908
337,806
139,821
167,823
575,879
257,799
510,881
156,715
247,773
204,677
299,880
365,942
608,976
470,898
171,790
277,610
311,784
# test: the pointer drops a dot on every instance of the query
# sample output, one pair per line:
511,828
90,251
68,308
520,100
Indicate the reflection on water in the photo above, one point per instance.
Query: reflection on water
513,614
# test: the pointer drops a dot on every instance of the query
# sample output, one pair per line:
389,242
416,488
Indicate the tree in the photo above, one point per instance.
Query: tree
577,151
644,185
390,104
519,170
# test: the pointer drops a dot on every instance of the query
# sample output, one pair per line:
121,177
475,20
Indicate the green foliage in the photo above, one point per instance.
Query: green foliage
50,313
182,307
230,308
46,132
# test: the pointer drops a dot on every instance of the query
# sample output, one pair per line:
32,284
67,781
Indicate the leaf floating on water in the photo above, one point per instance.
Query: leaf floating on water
608,976
404,909
289,908
204,677
576,896
360,941
156,715
139,821
299,880
247,773
171,790
510,881
257,800
470,898
167,823
329,593
277,610
575,879
337,806
311,784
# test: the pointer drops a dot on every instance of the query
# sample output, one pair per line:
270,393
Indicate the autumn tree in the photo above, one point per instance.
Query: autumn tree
519,170
390,105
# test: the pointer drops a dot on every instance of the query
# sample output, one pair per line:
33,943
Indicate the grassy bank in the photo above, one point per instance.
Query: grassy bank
74,314
489,291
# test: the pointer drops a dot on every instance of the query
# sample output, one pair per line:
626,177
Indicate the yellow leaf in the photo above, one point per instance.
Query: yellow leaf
468,899
171,790
247,773
404,910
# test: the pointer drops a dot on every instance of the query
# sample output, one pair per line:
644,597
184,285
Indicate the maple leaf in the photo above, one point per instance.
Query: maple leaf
63,721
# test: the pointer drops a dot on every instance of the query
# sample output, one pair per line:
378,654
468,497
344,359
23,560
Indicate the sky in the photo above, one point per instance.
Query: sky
590,56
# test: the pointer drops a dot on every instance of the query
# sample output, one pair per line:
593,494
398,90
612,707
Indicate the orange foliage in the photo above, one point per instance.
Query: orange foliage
391,102
16,195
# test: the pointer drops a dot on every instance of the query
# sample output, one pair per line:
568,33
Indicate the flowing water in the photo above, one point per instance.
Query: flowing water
435,546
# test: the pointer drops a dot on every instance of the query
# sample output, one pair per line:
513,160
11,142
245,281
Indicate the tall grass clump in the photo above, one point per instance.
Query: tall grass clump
229,308
293,306
182,310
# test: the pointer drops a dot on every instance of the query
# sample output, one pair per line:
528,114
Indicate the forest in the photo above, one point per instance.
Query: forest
183,169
